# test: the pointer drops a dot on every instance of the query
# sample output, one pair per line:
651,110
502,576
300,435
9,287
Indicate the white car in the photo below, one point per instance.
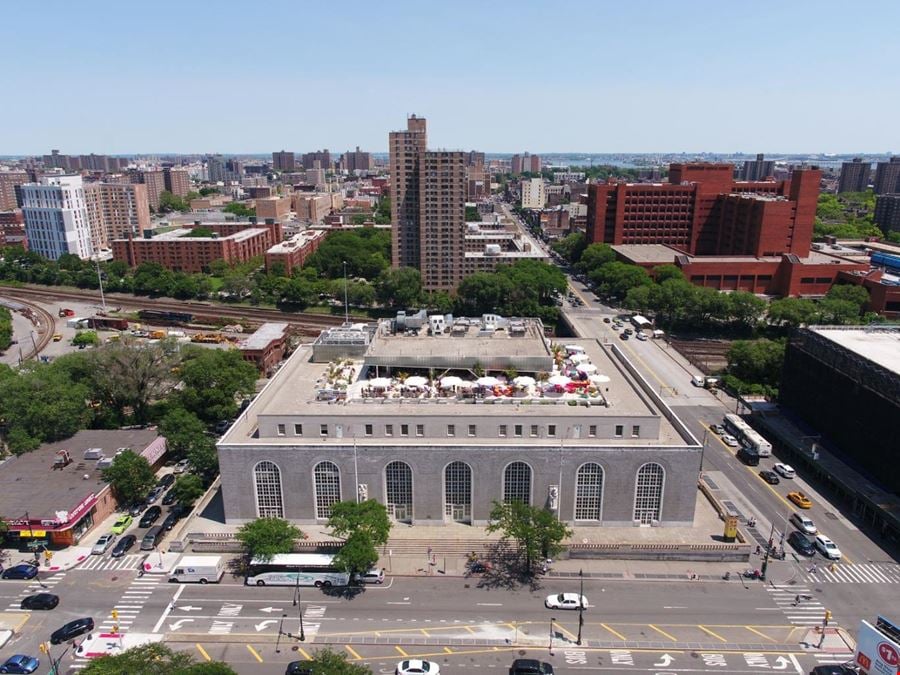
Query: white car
730,441
804,524
786,470
182,466
827,547
565,601
103,543
641,336
417,667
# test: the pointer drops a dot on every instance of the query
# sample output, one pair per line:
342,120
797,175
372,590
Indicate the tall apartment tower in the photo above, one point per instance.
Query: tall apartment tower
215,169
8,182
427,207
854,176
887,177
759,169
177,181
115,211
534,165
155,182
56,217
515,165
283,161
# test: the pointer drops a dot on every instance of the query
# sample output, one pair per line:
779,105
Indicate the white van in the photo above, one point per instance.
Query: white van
202,569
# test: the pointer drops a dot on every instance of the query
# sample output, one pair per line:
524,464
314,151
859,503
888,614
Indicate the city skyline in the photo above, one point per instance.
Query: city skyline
612,79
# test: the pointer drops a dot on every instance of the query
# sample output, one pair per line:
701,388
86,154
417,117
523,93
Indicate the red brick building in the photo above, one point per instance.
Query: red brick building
294,252
266,347
177,251
704,211
12,229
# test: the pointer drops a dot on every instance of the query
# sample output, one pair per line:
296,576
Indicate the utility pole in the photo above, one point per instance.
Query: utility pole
765,564
580,606
299,606
100,279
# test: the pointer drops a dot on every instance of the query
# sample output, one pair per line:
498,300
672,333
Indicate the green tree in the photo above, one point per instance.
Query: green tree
756,361
791,312
368,517
383,212
358,219
299,292
5,329
858,295
366,250
200,232
538,532
335,663
183,430
130,476
187,489
594,257
206,191
745,307
836,311
472,214
240,210
357,554
615,279
571,246
662,273
87,338
400,288
204,457
154,658
169,202
212,378
267,537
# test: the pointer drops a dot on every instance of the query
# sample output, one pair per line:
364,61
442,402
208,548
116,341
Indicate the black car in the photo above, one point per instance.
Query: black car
299,668
801,543
834,670
606,319
123,545
623,336
23,571
770,477
150,516
169,498
176,514
72,630
166,481
40,601
530,667
137,509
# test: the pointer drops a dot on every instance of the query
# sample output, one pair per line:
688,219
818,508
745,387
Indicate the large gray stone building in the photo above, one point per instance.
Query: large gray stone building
426,415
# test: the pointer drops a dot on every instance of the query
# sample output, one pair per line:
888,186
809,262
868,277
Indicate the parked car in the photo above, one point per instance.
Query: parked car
72,630
182,466
40,601
642,337
165,481
151,538
834,669
530,667
606,319
718,429
730,441
801,543
804,524
222,426
800,500
770,477
23,571
827,547
172,518
20,663
154,494
169,498
123,545
150,517
299,668
103,543
417,667
373,576
565,601
623,336
121,524
786,470
137,509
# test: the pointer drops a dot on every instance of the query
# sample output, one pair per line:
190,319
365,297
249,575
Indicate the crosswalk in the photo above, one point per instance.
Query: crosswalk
808,613
864,573
37,585
96,562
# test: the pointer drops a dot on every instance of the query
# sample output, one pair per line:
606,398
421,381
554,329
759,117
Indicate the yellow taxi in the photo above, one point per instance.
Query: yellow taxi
800,500
57,337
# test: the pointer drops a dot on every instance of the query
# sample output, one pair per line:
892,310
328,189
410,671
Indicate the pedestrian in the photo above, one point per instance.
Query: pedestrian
758,550
812,570
796,600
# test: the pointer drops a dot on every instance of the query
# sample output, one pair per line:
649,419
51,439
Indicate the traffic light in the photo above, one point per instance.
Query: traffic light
827,616
115,615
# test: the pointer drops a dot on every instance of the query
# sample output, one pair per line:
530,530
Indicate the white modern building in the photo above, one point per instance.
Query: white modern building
534,196
56,217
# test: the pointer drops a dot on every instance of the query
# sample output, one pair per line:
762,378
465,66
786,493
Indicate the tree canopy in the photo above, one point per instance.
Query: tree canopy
187,489
267,537
154,658
239,209
130,476
368,517
526,288
400,288
335,663
537,531
366,250
212,379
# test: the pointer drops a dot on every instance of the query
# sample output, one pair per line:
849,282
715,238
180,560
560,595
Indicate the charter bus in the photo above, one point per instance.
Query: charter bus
296,569
641,322
747,435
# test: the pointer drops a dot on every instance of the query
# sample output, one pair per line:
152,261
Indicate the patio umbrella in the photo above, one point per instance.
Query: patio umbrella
450,381
524,381
586,368
579,358
487,381
574,349
465,384
559,380
416,381
599,379
380,383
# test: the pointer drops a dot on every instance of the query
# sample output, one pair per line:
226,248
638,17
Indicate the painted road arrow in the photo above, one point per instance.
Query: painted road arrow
781,663
269,610
263,624
189,608
177,624
665,660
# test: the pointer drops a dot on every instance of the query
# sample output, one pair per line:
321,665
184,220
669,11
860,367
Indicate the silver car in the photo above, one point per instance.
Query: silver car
103,544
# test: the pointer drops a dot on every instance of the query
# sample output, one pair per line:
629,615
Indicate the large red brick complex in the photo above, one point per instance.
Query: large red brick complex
704,211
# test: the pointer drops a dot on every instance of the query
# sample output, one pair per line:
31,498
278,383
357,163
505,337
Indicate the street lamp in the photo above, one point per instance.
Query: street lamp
299,607
580,606
552,619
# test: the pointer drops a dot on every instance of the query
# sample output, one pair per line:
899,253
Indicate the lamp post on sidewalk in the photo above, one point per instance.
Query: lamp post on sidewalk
580,606
552,619
299,607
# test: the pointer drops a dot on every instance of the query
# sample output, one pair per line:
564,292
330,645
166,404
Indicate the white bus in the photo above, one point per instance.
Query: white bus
296,569
747,435
641,322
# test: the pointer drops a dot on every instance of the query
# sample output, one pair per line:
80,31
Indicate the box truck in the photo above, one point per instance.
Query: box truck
203,569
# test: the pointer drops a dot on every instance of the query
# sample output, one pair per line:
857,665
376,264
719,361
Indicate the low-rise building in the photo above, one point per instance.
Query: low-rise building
273,207
12,229
313,207
210,202
495,242
294,252
266,347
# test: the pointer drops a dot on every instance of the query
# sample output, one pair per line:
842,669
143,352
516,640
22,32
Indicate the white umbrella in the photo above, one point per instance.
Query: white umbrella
450,381
586,368
487,381
574,349
465,384
524,381
579,358
416,381
599,379
559,380
380,383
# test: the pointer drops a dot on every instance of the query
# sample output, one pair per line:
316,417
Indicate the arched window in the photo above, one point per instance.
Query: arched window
589,492
517,483
648,493
327,482
398,488
267,480
458,492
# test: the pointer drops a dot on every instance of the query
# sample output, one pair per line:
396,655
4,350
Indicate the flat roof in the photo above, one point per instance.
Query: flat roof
299,239
29,483
264,335
181,235
880,345
662,253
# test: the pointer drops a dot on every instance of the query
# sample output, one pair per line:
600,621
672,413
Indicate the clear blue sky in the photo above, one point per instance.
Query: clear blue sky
125,77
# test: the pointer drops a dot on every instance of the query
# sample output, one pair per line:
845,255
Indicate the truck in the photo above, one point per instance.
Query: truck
63,312
705,381
203,569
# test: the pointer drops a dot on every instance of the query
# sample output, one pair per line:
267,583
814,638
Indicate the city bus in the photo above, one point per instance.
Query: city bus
747,435
296,569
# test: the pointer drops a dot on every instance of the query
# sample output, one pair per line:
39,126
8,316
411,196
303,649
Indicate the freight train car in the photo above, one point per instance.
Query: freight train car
164,317
107,323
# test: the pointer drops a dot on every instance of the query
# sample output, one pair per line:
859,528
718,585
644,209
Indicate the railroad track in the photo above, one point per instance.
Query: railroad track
45,325
300,319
